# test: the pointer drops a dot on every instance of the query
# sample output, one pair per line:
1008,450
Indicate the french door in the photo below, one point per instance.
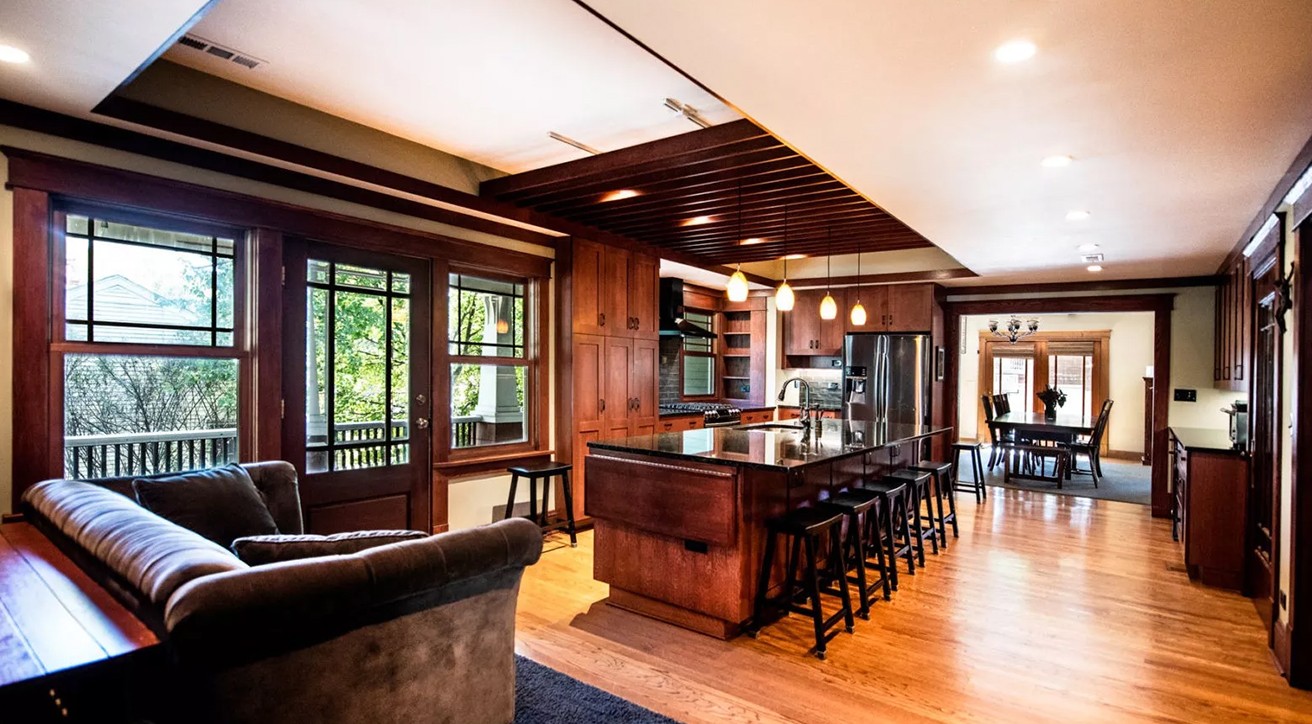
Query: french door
357,379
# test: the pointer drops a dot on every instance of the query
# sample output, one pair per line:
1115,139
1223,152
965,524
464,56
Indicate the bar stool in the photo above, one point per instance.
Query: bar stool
976,468
860,508
544,472
802,530
893,518
918,487
944,490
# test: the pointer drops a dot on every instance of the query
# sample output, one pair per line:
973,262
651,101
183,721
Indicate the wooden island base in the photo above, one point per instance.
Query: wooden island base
661,611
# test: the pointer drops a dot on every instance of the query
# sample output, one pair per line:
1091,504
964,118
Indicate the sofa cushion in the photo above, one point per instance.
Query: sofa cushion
221,504
261,549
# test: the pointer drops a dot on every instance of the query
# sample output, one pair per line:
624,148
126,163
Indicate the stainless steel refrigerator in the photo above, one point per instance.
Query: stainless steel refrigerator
886,377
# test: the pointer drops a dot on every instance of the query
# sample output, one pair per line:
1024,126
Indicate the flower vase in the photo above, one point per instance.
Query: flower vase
1050,412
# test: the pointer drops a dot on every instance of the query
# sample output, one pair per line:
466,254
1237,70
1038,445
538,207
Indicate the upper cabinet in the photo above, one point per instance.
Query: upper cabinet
614,291
894,308
1234,309
806,334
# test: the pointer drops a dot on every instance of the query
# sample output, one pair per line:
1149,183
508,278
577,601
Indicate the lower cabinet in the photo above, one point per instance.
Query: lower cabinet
792,413
1210,488
751,417
680,423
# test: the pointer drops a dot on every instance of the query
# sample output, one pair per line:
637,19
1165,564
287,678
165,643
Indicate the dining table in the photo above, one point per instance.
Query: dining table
1036,427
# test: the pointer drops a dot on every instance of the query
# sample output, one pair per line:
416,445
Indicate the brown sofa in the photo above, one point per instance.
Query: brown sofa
421,630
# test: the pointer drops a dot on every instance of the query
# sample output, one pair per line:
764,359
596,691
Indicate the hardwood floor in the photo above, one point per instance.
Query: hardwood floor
1048,607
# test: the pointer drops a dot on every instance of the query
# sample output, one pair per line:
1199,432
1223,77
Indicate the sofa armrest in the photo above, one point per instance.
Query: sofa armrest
257,612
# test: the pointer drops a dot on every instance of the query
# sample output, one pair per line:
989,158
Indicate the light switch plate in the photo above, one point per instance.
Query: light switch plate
1186,395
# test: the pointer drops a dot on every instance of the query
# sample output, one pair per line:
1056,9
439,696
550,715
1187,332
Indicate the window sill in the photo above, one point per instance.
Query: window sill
489,463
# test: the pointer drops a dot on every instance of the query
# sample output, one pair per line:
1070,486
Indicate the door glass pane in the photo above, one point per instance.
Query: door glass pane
357,372
1014,377
135,415
1073,374
487,404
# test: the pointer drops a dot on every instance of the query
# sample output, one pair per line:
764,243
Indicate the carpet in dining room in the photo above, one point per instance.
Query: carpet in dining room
1123,480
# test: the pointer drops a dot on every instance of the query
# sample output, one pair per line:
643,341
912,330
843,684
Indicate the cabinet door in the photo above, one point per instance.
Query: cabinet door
643,290
643,386
830,343
910,307
586,287
802,324
1242,314
616,395
615,292
874,299
589,368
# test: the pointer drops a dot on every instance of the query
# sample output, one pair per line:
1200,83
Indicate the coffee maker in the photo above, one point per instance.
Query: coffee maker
1238,412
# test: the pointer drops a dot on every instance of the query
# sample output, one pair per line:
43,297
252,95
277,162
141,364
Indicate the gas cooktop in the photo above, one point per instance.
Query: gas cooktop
713,413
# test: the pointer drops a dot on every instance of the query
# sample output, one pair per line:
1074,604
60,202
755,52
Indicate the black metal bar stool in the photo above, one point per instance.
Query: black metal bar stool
918,487
893,519
944,491
544,472
861,508
803,530
976,468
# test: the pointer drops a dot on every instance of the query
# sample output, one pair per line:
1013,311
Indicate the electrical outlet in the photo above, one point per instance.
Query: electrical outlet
1183,395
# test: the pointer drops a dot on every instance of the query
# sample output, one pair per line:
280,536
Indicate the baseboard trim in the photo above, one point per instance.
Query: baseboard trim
1280,647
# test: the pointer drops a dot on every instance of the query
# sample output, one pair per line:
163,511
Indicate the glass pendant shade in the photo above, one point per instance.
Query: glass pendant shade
784,297
858,315
738,287
828,307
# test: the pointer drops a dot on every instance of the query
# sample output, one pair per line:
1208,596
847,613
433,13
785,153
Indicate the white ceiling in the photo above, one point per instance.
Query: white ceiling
485,80
81,51
1181,115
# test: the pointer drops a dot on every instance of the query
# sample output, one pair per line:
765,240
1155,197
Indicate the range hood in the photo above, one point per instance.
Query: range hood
671,312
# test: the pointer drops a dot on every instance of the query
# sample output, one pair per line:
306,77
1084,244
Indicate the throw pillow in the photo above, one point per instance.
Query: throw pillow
261,549
221,504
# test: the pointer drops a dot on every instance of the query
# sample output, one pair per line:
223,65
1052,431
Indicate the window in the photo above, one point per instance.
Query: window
1070,368
1013,375
493,373
699,357
149,343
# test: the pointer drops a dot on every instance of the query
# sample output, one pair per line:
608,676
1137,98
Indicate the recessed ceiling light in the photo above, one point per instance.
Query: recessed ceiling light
791,257
1088,247
698,220
619,195
1077,215
10,54
1095,267
1056,161
752,241
1015,51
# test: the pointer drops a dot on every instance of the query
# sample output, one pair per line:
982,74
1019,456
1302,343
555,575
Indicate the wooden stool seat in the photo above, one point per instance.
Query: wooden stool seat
805,521
918,487
544,471
944,492
893,495
863,537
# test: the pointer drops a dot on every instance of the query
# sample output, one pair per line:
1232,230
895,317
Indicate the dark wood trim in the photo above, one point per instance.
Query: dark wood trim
1300,163
265,291
1160,304
892,278
66,177
489,463
32,431
1108,285
1298,664
56,124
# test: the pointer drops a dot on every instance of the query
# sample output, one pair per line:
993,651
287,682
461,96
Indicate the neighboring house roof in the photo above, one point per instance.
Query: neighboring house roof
119,299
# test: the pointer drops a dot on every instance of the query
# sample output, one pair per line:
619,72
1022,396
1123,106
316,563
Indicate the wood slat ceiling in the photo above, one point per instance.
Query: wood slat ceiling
713,172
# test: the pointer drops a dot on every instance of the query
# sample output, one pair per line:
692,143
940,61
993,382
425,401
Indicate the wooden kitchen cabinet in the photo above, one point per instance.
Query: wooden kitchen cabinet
1210,485
643,384
1233,328
680,423
893,308
752,417
614,291
629,387
806,334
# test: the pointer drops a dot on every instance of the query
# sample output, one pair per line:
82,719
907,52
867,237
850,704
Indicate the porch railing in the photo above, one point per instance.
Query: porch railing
147,453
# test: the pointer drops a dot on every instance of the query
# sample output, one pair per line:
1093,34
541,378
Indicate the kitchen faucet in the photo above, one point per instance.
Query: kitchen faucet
806,399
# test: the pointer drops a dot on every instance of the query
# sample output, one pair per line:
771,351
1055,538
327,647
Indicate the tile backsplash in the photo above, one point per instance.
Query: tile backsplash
669,371
826,386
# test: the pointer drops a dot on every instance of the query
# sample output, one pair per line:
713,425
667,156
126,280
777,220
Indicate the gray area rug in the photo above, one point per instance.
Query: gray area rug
546,696
1122,480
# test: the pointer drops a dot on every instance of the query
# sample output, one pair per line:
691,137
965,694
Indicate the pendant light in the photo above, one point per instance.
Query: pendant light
828,307
858,311
737,287
783,296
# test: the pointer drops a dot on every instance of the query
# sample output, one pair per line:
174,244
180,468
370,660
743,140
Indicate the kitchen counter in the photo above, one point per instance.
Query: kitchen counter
1200,439
770,448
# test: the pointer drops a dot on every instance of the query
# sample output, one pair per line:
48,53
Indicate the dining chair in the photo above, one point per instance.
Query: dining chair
1091,447
999,440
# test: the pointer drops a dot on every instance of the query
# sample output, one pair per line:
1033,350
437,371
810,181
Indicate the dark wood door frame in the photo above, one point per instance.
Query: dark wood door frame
1159,304
1293,636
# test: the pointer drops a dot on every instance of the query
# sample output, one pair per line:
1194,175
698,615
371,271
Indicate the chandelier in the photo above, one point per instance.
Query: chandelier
1014,329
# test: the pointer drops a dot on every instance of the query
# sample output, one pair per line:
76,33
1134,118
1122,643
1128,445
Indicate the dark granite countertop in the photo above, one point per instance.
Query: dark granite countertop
770,449
1205,439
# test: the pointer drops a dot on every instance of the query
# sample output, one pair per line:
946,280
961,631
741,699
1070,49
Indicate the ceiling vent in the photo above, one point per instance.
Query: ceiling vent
195,42
1091,259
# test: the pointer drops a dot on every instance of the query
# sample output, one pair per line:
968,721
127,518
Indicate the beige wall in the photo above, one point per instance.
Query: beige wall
473,507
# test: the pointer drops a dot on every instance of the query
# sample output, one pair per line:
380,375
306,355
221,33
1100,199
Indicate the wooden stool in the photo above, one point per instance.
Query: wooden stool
893,518
944,490
976,468
859,505
544,471
803,528
918,485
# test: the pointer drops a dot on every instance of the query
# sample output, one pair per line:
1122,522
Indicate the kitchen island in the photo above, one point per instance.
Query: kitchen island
679,517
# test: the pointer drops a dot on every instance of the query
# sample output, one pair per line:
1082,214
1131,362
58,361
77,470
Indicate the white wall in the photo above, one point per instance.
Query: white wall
1131,350
463,507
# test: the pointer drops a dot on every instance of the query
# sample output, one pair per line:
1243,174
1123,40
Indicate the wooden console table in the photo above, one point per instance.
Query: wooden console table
59,631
